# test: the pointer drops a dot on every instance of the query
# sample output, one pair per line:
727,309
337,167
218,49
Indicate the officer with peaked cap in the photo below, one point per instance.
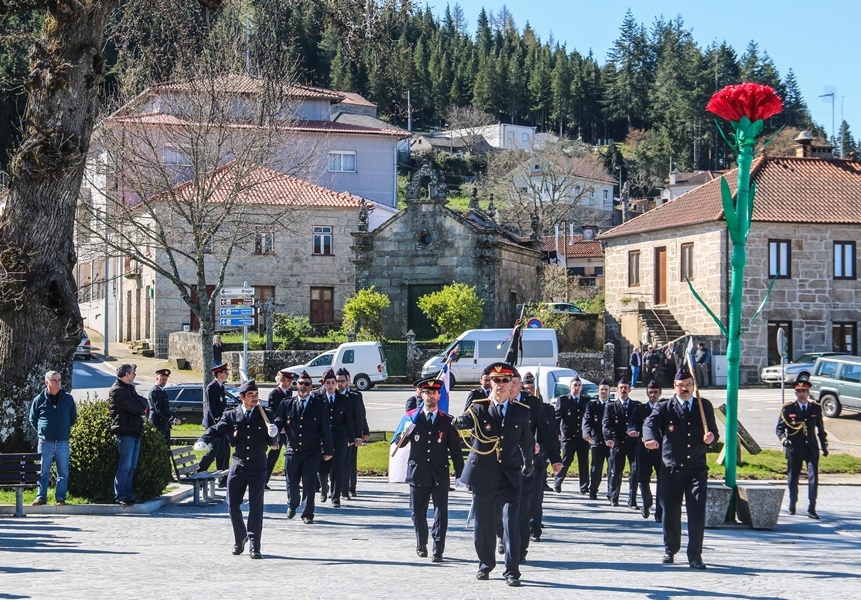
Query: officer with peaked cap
160,414
569,412
684,428
622,446
343,436
593,433
647,460
798,428
214,404
246,429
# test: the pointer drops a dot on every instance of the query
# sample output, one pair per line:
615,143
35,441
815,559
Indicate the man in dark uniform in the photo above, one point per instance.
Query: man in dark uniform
593,433
482,392
283,392
341,420
304,423
542,459
647,460
502,454
415,400
214,404
434,441
159,406
622,446
245,428
570,409
362,431
799,426
676,426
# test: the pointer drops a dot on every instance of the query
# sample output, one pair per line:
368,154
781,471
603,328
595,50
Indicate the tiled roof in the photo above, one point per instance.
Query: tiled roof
577,167
245,84
265,186
696,178
576,247
789,190
365,121
355,99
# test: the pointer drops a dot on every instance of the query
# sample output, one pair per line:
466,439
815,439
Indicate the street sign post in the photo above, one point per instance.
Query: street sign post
237,321
236,312
243,301
235,291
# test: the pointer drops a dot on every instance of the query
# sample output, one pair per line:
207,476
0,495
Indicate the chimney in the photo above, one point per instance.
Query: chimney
673,175
571,238
803,145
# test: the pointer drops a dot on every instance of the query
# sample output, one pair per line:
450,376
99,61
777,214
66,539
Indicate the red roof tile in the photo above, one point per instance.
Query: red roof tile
247,85
577,167
696,178
576,247
789,190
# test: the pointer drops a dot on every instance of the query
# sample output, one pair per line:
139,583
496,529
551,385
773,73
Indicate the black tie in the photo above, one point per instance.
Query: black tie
429,417
687,410
497,412
804,411
248,415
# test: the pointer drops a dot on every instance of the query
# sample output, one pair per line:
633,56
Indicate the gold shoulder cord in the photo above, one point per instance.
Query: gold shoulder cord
478,434
794,429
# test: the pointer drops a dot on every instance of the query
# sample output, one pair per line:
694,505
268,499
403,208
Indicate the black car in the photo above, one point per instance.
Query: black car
186,400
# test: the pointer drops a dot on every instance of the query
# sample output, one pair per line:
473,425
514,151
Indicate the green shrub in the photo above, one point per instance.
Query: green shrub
290,328
453,309
363,313
94,456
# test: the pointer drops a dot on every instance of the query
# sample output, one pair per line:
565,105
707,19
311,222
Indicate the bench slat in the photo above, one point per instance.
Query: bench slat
28,457
26,468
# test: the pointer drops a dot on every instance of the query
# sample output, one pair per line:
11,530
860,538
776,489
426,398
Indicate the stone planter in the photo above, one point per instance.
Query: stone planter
758,504
717,504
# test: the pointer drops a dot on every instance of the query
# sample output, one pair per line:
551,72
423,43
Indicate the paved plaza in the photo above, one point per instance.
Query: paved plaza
367,549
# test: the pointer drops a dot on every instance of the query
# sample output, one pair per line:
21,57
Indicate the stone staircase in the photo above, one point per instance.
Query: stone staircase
662,325
142,348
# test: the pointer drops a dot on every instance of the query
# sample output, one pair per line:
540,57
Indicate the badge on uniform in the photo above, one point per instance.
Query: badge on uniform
439,440
792,416
416,437
487,426
672,428
288,421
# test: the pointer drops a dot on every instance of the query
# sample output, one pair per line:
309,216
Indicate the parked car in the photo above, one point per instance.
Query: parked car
565,308
364,360
836,384
791,370
186,400
83,349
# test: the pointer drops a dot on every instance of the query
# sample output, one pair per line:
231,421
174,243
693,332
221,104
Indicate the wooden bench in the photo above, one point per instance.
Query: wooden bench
187,469
21,472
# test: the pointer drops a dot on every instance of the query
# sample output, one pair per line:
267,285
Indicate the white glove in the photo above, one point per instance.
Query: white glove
409,427
199,445
273,430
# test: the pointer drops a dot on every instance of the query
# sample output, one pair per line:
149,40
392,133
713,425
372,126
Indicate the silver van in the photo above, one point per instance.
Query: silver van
836,384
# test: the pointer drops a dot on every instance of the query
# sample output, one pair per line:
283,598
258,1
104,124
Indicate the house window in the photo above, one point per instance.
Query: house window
322,307
843,337
779,259
687,267
844,260
591,193
634,268
323,240
264,241
525,137
510,135
606,195
176,156
342,162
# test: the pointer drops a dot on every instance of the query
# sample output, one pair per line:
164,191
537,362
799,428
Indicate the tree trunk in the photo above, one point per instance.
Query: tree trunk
40,322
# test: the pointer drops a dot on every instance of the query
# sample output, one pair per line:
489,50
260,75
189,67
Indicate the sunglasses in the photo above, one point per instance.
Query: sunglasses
341,380
501,379
303,383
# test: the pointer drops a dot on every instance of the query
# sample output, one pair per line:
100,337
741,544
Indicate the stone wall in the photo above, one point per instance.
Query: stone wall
186,344
263,365
594,366
582,332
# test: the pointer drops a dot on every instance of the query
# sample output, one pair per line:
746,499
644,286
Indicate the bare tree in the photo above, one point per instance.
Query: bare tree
468,123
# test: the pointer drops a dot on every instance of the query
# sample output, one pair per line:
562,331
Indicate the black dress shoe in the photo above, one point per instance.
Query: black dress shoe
323,498
535,538
500,548
336,503
812,514
593,496
698,565
437,558
422,551
614,502
512,581
557,488
584,492
482,575
645,512
345,496
255,554
291,512
307,520
792,510
633,507
547,488
658,518
667,559
266,486
240,547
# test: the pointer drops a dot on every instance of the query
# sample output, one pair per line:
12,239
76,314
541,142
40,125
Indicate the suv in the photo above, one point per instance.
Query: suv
186,400
802,364
565,308
83,350
836,384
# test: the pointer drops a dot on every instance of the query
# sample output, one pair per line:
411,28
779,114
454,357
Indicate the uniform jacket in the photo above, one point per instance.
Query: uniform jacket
569,416
790,425
340,416
277,396
249,437
615,422
431,446
483,469
681,440
214,403
474,395
53,424
412,403
593,422
636,421
541,429
127,409
305,430
159,409
360,416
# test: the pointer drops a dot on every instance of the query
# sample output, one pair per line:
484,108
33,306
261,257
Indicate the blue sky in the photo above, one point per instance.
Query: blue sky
818,40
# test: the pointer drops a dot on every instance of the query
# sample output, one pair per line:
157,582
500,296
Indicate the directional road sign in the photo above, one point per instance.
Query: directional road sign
237,321
237,291
236,312
243,301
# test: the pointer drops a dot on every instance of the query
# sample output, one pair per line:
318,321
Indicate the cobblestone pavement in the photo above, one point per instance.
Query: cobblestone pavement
367,549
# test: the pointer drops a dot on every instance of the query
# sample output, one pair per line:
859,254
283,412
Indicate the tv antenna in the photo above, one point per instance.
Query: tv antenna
831,92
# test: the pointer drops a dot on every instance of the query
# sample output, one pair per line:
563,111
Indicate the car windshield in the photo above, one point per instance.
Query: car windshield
807,359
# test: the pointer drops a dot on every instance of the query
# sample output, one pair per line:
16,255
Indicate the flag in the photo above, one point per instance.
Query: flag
515,348
398,462
443,392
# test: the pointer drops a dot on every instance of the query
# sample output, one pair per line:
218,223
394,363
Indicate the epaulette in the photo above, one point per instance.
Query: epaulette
480,400
787,404
813,402
520,403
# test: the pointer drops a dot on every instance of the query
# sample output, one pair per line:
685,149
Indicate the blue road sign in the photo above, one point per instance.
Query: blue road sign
237,322
533,323
236,312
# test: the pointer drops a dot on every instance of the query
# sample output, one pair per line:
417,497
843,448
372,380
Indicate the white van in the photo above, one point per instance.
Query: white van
478,348
364,360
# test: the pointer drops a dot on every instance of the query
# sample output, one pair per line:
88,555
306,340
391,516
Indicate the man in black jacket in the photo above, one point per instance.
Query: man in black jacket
481,392
433,441
246,429
647,460
213,408
570,409
593,433
159,406
502,454
283,392
622,446
343,436
360,423
303,421
127,410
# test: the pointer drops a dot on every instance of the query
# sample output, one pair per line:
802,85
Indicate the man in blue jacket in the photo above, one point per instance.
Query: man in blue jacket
52,415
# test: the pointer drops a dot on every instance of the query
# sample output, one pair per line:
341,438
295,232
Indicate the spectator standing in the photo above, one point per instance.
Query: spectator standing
653,360
52,415
216,350
159,406
127,410
636,362
672,362
703,359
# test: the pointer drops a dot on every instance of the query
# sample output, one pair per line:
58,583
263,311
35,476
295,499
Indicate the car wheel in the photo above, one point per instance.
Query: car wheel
830,405
362,382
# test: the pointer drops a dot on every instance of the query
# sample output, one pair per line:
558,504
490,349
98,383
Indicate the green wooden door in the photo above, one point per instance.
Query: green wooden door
416,319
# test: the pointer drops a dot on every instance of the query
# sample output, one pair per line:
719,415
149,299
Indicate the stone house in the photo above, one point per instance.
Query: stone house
427,246
584,258
806,220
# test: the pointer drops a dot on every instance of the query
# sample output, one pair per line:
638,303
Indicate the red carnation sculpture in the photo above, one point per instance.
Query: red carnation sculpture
751,100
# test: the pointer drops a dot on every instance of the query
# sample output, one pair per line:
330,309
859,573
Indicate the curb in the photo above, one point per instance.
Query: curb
144,508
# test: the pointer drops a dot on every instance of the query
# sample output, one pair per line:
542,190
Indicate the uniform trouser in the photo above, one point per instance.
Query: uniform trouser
273,455
302,467
618,454
165,432
240,478
535,525
688,484
352,470
570,449
420,496
600,454
507,498
793,468
527,504
648,460
218,452
332,471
